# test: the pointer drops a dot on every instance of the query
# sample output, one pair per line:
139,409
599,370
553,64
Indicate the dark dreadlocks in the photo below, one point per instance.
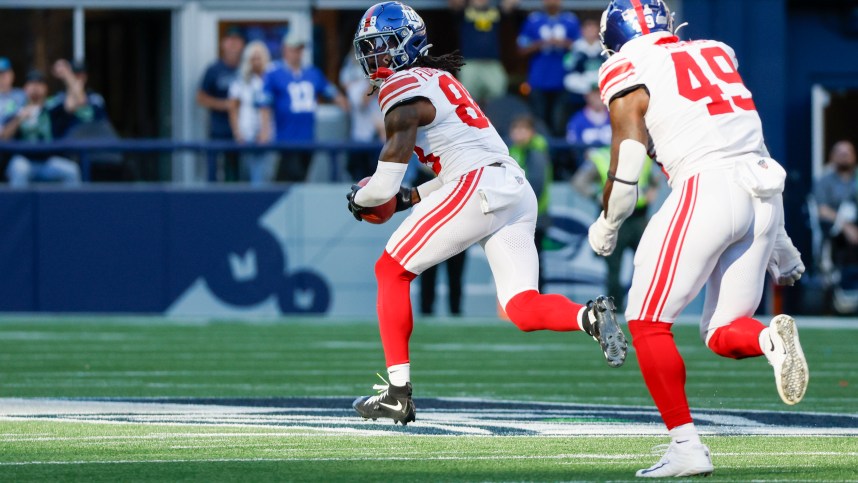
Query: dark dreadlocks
451,62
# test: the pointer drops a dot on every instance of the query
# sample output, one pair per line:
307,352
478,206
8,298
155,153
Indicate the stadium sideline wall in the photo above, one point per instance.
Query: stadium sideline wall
233,252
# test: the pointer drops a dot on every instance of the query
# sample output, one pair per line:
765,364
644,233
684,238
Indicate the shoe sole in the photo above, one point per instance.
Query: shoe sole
792,376
611,337
700,472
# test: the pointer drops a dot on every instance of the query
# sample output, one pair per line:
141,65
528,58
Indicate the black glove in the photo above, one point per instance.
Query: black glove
403,199
355,208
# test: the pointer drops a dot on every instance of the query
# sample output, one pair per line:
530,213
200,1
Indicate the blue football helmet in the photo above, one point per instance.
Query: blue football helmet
625,20
390,28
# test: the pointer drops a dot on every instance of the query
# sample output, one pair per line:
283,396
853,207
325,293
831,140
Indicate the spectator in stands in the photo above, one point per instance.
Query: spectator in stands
836,196
367,124
11,98
591,125
83,106
589,181
582,64
546,37
291,91
478,21
213,92
37,122
530,150
249,123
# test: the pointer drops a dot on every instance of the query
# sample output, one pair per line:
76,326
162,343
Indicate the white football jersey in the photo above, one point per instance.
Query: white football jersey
701,116
460,138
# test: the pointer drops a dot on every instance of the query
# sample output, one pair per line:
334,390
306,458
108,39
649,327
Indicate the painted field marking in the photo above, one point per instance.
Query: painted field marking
443,416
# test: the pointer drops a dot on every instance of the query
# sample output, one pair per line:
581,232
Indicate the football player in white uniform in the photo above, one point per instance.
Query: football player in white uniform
480,195
721,226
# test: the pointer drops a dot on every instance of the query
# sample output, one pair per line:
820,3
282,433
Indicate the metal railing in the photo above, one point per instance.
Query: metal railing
84,150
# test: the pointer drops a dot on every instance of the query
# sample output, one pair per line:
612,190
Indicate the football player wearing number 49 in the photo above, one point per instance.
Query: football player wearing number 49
722,225
480,195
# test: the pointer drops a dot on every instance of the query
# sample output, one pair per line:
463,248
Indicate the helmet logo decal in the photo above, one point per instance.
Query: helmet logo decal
369,22
413,19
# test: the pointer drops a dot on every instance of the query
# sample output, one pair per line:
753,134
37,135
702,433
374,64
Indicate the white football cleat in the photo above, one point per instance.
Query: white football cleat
680,460
784,353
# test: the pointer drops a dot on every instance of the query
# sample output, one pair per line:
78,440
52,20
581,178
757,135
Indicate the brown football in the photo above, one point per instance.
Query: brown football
381,213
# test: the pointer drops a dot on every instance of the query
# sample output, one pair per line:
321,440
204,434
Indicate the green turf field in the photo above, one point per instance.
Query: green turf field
484,361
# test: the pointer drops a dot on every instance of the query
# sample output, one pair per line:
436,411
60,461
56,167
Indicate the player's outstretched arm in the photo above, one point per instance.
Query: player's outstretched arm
628,154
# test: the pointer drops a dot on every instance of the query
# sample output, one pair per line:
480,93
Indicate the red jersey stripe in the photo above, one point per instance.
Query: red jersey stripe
429,215
617,81
395,96
391,86
674,247
658,264
470,188
679,253
617,70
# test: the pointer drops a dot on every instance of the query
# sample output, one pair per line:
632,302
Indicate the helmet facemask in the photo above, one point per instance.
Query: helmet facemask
371,50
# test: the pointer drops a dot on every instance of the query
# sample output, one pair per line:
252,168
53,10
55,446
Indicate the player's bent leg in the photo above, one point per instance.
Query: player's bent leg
737,340
783,350
530,310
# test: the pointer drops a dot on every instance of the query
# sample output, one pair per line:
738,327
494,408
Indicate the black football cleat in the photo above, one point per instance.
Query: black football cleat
392,402
600,321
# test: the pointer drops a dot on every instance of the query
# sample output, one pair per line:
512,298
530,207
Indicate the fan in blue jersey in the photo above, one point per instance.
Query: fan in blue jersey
547,37
291,93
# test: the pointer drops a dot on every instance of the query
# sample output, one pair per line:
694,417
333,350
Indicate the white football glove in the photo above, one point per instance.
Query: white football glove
603,236
785,264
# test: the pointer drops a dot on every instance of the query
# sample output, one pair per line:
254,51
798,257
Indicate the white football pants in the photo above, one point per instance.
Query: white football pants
708,231
452,218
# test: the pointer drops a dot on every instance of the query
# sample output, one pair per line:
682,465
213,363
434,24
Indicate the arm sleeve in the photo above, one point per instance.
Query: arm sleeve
383,185
624,195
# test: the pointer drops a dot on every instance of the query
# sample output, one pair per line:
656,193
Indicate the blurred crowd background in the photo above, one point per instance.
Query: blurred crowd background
259,92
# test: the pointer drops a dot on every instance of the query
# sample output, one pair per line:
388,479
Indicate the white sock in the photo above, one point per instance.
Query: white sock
399,374
581,314
685,433
765,341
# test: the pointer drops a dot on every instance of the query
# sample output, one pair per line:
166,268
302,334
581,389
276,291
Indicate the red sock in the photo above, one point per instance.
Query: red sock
395,320
738,340
663,370
530,310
